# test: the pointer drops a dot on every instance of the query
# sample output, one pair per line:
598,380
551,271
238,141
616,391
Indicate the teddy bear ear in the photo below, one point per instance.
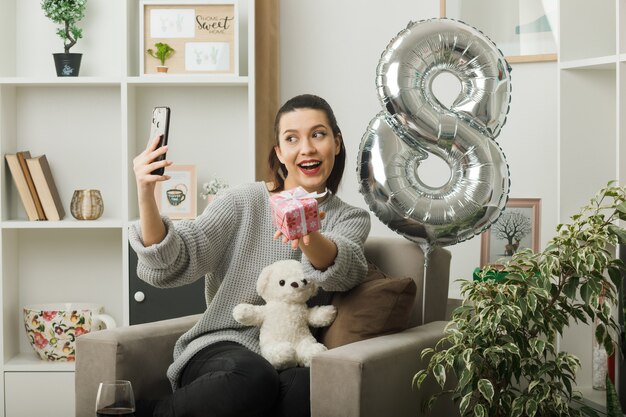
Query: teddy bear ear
263,281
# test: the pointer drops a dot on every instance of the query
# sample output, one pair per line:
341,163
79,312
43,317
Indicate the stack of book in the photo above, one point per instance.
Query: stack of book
35,185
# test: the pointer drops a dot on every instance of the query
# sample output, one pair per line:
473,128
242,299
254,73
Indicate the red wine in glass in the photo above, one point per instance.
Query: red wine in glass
115,398
116,411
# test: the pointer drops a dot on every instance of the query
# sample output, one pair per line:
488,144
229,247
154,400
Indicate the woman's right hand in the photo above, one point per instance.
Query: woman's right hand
152,227
145,163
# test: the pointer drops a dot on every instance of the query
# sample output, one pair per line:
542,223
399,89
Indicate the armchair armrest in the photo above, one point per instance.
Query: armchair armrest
140,354
374,377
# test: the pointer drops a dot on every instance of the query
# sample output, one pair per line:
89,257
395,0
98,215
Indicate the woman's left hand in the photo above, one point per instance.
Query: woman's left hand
295,243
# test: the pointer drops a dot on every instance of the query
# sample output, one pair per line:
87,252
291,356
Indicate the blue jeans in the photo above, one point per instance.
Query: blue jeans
227,379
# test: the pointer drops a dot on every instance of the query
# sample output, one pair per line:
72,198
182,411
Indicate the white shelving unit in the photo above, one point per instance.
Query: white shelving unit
592,141
90,128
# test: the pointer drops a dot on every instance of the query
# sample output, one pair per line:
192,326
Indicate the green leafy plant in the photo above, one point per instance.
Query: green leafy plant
66,13
163,52
500,343
613,407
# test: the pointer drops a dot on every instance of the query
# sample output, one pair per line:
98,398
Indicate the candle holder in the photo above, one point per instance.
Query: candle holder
87,204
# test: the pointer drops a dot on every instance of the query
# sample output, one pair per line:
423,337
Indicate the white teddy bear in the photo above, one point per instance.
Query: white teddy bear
285,338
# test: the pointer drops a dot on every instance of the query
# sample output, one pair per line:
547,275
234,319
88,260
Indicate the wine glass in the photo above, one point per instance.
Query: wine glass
115,398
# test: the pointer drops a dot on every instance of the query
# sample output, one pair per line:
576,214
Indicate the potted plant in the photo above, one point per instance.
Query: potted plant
209,189
66,13
163,52
500,343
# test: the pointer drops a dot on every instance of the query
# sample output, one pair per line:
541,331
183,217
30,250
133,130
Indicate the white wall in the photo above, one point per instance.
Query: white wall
331,48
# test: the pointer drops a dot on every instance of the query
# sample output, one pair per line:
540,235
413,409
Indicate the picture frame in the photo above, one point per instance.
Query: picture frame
517,228
176,197
524,30
204,35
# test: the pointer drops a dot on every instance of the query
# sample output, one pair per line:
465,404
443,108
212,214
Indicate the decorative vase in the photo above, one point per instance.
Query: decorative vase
87,205
67,65
52,328
599,362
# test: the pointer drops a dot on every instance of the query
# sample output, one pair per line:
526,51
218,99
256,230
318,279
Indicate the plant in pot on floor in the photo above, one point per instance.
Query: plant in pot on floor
162,53
66,13
500,344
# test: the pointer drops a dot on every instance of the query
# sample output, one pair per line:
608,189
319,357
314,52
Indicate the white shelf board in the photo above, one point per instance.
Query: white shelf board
622,58
30,362
67,223
598,63
188,80
61,81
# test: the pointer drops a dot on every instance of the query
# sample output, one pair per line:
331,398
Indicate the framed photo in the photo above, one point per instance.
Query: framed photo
204,36
517,228
524,30
176,197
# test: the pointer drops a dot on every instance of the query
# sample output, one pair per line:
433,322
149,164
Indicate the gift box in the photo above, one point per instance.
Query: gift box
295,212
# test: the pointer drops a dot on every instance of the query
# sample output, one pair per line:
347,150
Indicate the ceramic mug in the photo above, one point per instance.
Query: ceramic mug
52,329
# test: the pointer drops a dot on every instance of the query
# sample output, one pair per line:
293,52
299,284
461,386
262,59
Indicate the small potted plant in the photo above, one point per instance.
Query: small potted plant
209,189
66,13
163,52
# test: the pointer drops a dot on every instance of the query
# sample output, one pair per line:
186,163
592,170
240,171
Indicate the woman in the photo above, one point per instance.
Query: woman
217,368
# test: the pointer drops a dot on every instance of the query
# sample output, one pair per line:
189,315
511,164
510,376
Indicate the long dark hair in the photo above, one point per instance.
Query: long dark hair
306,101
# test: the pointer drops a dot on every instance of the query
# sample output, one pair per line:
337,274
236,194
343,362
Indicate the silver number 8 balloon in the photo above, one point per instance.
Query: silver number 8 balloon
415,125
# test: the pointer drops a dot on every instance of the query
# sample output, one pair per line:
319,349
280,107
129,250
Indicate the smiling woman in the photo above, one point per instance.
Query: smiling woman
230,243
308,149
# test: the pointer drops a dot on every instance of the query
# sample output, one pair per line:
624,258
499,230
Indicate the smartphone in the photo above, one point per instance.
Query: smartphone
160,125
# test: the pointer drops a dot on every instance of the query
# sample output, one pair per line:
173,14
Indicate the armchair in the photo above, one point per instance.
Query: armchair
367,378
